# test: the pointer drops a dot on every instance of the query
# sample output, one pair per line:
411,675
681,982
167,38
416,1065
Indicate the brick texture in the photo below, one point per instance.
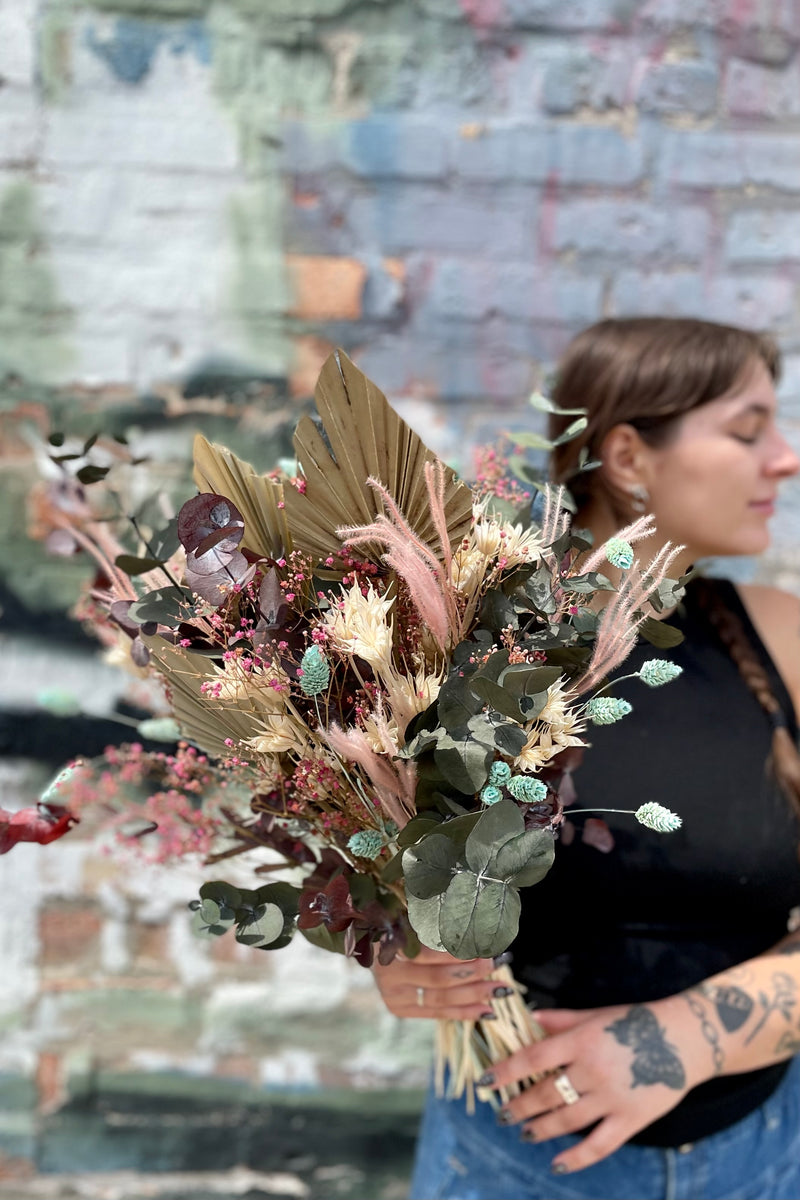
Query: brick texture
449,190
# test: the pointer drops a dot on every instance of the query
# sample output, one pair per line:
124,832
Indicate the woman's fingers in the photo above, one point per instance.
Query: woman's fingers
604,1139
541,1097
447,972
559,1020
565,1119
437,985
538,1059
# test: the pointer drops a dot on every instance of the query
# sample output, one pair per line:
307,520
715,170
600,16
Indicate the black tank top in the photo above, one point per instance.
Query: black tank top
661,912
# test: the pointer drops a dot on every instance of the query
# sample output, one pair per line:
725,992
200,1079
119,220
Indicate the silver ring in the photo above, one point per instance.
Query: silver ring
421,997
564,1087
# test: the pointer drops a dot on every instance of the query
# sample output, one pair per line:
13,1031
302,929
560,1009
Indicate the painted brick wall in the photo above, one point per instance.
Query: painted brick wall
449,189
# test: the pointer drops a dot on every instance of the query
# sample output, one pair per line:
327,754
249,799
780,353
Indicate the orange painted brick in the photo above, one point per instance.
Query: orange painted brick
50,1082
69,934
324,288
309,354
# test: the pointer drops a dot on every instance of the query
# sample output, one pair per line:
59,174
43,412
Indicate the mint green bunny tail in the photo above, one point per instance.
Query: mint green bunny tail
367,843
655,816
526,789
657,671
619,553
499,772
605,710
316,672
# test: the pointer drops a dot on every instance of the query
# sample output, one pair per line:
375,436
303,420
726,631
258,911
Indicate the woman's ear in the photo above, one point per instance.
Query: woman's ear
624,458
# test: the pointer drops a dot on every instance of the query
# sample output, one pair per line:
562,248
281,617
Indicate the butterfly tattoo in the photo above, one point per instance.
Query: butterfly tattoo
654,1060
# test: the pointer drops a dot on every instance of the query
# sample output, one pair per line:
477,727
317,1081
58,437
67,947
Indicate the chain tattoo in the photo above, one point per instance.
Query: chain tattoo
708,1031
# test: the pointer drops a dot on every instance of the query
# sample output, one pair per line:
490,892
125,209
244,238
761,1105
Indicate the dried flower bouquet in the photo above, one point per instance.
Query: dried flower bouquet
396,670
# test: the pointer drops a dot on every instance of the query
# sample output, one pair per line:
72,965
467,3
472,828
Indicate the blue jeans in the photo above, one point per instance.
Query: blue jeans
461,1157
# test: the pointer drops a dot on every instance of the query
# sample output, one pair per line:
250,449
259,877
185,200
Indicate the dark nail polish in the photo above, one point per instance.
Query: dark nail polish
500,992
488,1016
528,1135
503,959
559,1168
486,1080
504,1117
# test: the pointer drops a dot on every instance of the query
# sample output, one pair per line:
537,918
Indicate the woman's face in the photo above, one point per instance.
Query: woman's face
713,484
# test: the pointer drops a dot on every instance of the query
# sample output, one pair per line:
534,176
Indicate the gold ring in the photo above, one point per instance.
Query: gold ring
421,997
566,1091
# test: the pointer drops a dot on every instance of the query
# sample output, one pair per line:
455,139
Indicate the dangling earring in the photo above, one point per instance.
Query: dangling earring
640,498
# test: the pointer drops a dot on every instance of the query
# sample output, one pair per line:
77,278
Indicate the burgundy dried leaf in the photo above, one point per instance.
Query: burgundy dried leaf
330,906
231,535
596,833
139,652
271,601
363,950
43,825
567,833
206,515
214,587
566,790
118,612
212,562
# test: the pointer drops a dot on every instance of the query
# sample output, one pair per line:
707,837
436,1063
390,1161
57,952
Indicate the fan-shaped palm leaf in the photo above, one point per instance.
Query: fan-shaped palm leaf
202,723
365,439
217,469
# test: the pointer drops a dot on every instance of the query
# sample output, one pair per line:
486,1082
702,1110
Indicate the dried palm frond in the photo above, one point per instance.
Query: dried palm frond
206,725
257,497
363,439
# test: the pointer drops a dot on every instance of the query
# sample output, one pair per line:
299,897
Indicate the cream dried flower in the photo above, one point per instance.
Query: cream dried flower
520,544
486,537
558,725
468,569
413,693
262,690
361,625
278,734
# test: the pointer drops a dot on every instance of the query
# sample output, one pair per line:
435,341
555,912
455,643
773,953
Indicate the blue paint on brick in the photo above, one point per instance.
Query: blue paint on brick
388,146
132,46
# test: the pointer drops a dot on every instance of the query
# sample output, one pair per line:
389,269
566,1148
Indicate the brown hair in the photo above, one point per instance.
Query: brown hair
648,372
645,372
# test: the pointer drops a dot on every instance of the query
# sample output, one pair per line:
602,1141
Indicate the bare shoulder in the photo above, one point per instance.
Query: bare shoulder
776,616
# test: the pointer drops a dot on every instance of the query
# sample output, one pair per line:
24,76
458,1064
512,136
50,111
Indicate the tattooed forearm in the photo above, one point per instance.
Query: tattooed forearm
783,1000
789,1043
733,1005
695,998
654,1060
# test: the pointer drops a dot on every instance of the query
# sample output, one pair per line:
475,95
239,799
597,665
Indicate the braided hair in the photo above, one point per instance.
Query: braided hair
784,761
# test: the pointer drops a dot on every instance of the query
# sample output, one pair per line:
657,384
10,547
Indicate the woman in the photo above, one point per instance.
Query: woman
666,971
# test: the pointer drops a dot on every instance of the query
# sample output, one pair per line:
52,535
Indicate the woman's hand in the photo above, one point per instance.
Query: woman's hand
628,1064
437,985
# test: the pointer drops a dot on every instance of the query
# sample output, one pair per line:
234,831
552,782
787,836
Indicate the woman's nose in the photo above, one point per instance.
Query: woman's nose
783,460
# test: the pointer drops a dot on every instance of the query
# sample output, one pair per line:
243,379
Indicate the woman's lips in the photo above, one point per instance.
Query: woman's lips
766,507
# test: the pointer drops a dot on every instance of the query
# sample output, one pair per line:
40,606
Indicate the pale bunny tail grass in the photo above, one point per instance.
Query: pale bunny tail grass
465,1050
616,632
555,518
414,561
352,744
637,531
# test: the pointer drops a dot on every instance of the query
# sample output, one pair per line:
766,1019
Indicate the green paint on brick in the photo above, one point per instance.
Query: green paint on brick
33,320
103,1015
